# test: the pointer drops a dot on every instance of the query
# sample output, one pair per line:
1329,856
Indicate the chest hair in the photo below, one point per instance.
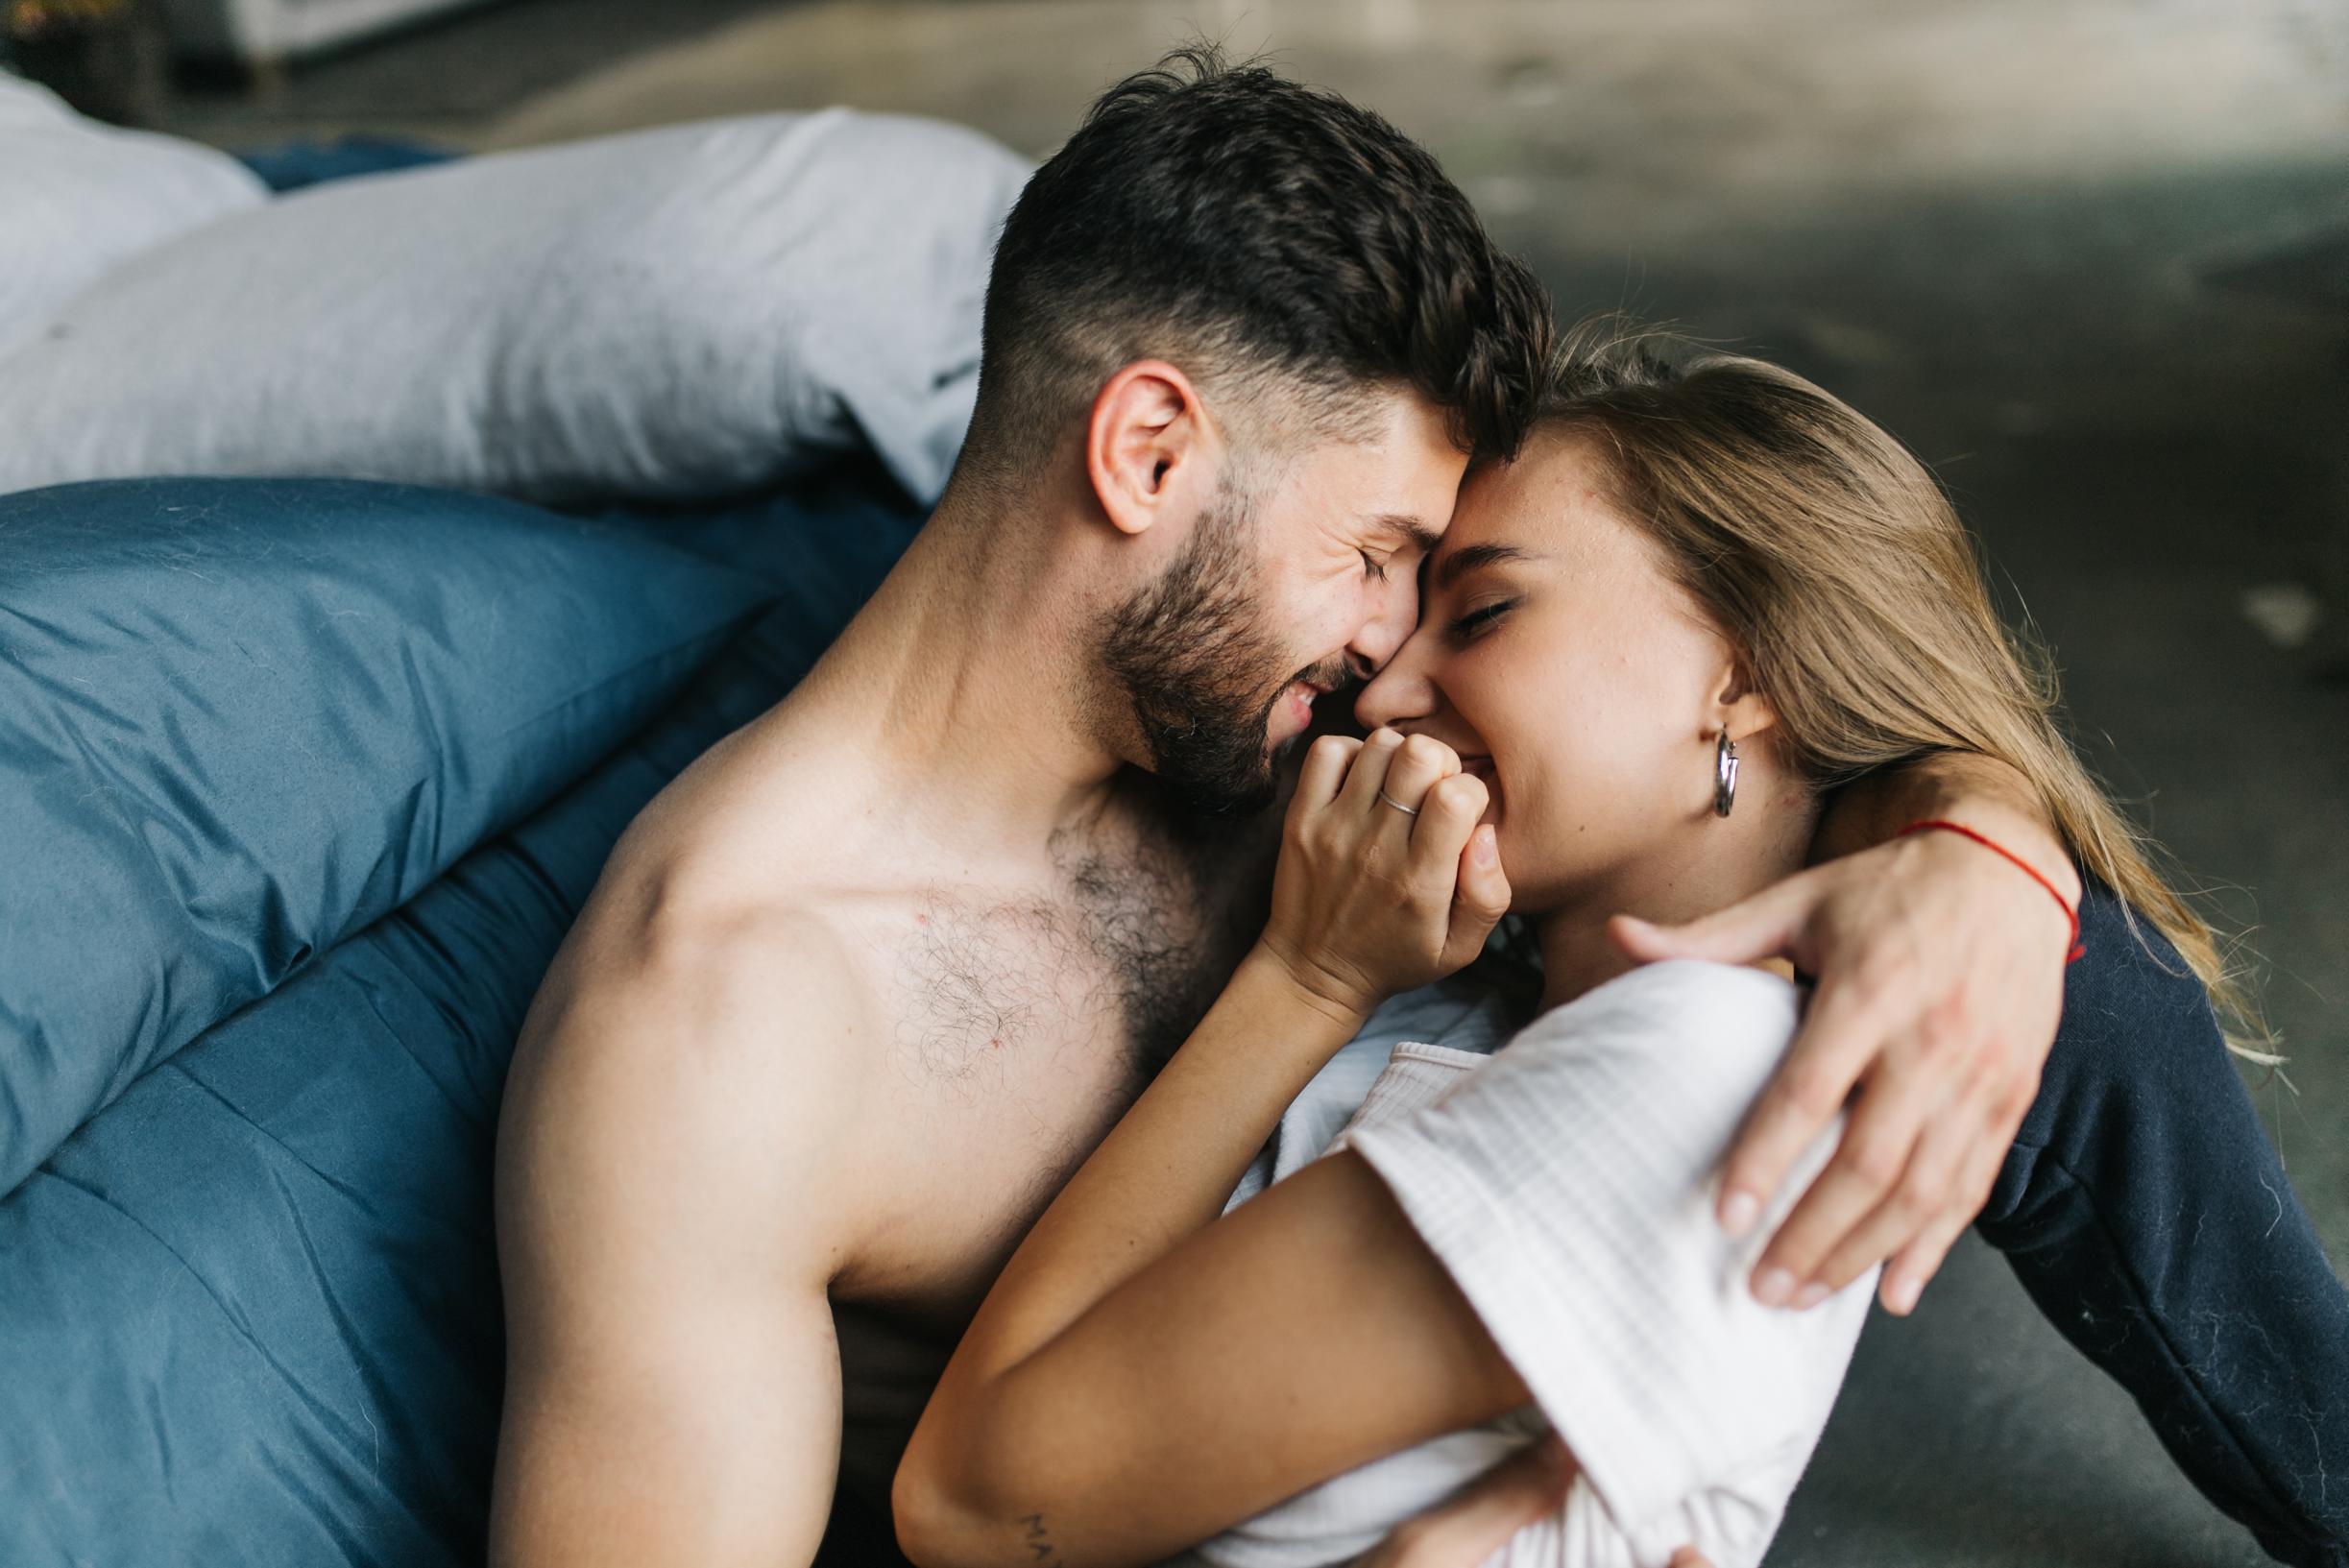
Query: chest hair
1125,952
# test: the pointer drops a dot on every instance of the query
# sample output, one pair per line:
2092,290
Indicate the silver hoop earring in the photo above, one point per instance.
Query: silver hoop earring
1725,775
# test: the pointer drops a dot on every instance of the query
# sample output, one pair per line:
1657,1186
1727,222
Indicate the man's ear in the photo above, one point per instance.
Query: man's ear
1149,445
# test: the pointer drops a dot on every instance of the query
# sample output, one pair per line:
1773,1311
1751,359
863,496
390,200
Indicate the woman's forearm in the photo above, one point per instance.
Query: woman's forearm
1045,1408
1310,1332
1168,1166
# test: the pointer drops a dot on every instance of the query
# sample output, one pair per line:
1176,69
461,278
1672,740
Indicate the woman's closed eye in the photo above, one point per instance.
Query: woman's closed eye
1466,627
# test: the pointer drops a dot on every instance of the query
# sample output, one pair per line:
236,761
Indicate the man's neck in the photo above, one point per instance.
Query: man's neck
964,686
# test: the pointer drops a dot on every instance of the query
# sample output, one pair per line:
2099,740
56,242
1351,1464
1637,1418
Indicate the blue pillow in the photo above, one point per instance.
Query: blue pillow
240,719
314,160
251,1313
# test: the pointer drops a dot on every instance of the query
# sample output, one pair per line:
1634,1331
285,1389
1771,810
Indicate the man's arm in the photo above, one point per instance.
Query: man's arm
1940,970
1956,786
673,1386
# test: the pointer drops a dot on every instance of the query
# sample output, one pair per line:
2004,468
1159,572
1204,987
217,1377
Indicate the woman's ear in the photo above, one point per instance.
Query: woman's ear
1146,445
1740,707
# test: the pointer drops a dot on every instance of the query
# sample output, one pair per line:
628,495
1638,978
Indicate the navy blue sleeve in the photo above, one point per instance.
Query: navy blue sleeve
2147,1215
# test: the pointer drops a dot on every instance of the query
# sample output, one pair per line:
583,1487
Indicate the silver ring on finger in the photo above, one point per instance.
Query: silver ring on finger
1407,811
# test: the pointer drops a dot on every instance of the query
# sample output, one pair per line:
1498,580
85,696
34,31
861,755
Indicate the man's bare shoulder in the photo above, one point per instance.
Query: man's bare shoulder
702,1050
729,984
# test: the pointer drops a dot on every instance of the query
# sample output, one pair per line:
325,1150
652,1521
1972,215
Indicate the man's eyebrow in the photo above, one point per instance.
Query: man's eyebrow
1468,557
1412,530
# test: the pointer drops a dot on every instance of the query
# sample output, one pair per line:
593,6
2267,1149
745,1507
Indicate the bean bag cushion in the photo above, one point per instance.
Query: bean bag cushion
679,314
240,720
77,196
250,1313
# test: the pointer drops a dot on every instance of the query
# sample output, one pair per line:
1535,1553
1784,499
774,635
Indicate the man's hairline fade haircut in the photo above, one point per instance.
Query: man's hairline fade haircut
1293,255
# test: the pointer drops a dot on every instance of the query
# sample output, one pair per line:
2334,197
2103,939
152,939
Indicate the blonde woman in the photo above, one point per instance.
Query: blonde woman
1650,646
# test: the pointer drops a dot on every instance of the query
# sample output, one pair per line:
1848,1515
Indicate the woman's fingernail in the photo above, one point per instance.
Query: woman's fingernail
1812,1294
1486,848
1738,1214
1900,1296
1772,1287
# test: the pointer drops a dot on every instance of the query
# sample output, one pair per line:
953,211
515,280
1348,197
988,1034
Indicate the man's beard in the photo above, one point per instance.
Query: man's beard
1202,670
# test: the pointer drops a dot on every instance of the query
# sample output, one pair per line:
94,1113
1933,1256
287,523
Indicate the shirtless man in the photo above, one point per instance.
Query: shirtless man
861,988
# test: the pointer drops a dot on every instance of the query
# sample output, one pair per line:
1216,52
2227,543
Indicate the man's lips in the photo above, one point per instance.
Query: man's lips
1299,696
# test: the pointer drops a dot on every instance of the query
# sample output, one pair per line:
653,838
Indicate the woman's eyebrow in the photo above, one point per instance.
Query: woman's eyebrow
1468,557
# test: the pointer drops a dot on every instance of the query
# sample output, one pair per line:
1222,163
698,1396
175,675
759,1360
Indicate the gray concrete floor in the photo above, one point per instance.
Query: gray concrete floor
2090,258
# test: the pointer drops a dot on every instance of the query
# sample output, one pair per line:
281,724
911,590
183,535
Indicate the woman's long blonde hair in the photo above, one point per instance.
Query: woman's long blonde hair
1833,561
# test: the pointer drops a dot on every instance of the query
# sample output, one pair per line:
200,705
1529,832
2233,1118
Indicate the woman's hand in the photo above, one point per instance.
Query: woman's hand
1471,1526
1386,881
1468,1529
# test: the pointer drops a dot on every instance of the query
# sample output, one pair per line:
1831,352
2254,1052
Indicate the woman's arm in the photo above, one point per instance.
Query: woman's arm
1308,1332
1526,1236
1367,902
1046,1387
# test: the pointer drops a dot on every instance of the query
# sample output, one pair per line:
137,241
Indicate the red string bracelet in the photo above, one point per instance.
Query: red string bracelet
2079,949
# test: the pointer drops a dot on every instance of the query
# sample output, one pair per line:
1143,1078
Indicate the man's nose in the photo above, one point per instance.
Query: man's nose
1396,617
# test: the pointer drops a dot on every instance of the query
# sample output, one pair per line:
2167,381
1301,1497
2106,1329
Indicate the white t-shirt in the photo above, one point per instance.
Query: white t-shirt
1566,1183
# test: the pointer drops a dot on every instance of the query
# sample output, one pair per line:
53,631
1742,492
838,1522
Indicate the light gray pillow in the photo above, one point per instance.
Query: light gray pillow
77,196
669,315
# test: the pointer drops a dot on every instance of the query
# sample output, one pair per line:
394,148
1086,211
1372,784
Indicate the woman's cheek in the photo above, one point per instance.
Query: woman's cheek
1599,781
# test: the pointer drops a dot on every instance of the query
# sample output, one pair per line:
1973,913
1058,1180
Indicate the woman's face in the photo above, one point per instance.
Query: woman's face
1571,673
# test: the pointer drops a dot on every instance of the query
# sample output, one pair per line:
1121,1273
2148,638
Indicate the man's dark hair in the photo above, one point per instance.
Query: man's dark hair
1239,225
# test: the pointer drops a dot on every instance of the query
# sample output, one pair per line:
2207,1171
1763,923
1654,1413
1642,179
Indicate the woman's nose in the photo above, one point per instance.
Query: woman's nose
1400,692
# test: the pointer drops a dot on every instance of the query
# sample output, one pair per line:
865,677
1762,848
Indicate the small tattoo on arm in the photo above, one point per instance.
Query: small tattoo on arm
1040,1545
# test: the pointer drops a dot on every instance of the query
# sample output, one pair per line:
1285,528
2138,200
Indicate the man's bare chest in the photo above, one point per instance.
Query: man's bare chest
1113,957
1016,1030
1010,992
